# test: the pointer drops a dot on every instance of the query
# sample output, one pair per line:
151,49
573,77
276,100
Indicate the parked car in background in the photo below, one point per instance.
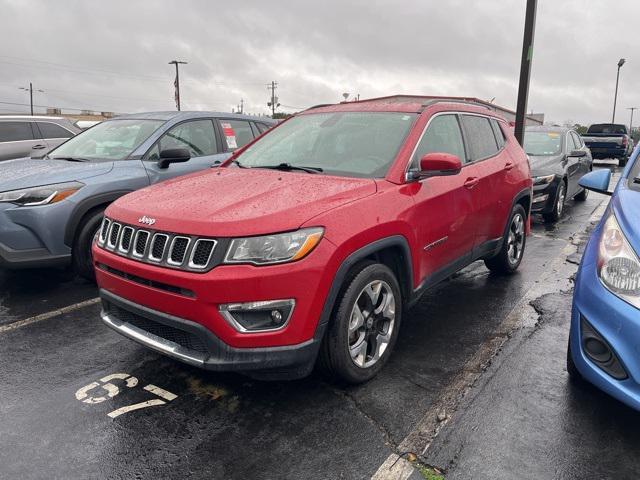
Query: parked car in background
559,158
20,135
310,243
605,323
609,140
51,208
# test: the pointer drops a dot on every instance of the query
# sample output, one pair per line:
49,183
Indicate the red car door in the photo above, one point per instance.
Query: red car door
444,210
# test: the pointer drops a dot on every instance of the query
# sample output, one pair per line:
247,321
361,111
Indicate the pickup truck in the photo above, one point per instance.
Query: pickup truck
609,140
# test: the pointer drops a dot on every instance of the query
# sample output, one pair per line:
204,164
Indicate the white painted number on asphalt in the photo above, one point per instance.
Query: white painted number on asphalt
89,394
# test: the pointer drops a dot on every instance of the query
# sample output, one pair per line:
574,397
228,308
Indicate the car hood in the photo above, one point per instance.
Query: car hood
229,202
626,206
545,165
24,173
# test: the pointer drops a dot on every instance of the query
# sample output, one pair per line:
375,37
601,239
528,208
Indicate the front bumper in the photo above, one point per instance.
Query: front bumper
616,321
30,258
544,197
191,343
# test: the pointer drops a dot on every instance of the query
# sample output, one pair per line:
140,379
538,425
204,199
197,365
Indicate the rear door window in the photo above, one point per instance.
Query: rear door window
237,133
15,131
443,135
480,137
51,130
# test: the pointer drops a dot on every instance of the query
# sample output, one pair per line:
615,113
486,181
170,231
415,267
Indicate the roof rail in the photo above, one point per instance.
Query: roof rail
428,103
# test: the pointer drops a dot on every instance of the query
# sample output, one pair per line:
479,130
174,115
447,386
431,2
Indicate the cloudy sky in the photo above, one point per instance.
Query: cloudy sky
112,55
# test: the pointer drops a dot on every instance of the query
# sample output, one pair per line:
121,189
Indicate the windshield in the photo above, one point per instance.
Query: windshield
112,140
542,143
353,144
608,128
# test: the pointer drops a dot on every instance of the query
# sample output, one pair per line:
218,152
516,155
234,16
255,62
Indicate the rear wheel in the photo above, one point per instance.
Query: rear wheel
558,206
364,327
622,162
513,244
81,255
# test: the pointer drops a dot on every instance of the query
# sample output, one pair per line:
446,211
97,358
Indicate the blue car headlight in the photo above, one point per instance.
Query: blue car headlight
44,195
618,264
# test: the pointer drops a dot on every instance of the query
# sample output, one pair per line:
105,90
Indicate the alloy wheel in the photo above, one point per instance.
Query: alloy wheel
561,199
371,323
516,239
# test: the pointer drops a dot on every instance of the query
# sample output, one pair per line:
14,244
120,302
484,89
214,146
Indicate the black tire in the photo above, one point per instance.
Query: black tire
82,258
503,262
582,196
335,359
558,205
622,162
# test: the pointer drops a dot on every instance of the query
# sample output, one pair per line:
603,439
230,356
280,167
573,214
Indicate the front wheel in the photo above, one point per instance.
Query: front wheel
508,259
81,255
364,328
558,207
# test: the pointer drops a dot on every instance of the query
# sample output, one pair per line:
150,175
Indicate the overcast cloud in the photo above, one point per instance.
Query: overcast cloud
112,55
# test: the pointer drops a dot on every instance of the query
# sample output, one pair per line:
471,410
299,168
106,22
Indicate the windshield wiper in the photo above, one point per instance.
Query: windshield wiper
236,162
288,167
70,159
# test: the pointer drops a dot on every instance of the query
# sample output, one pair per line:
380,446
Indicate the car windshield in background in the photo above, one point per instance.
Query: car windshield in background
608,128
542,143
111,140
353,144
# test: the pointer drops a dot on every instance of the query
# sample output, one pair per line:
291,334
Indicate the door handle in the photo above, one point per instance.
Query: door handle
508,166
38,147
471,182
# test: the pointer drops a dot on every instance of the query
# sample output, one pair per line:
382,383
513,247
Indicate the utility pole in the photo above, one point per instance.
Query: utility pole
274,100
242,105
525,68
30,90
631,121
621,62
176,83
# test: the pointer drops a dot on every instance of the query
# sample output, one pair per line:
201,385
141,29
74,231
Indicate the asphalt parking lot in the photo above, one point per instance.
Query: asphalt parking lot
80,401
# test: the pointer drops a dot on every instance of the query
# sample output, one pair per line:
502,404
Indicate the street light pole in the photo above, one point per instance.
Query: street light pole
525,68
631,121
615,97
176,83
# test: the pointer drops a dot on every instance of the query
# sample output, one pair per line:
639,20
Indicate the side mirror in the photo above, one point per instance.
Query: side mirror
173,155
597,181
438,164
578,153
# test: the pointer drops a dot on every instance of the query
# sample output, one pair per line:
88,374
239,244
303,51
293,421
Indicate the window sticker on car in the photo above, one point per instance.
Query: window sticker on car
553,135
229,134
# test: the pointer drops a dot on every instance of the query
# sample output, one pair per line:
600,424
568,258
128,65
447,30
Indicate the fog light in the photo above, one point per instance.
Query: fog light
599,351
540,198
262,316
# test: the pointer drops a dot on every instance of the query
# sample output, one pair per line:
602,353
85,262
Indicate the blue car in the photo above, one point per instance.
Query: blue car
604,342
51,208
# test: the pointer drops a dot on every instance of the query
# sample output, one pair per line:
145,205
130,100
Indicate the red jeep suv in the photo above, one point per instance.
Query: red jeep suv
307,246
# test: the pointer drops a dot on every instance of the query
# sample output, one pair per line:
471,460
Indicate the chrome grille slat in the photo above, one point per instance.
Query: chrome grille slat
168,250
125,239
178,250
114,232
158,247
140,243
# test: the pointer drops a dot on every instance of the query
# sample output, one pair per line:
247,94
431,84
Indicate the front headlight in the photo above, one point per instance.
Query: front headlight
277,248
45,195
618,264
546,180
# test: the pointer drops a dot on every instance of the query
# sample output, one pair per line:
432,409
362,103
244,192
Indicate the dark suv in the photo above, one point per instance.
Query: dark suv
310,242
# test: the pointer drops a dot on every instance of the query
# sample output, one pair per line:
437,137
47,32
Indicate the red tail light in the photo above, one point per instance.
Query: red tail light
624,141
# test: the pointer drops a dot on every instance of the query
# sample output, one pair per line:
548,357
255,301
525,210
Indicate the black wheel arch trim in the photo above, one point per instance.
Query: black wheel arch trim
85,206
406,284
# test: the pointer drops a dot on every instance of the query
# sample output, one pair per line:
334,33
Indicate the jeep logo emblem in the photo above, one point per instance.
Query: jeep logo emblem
147,220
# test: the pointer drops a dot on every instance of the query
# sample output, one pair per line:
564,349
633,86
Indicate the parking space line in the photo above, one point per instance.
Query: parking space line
48,315
161,392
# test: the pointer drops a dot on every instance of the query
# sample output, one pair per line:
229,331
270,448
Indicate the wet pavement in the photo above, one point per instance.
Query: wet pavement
79,401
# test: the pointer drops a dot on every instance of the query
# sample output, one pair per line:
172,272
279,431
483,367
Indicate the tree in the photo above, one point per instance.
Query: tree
280,115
